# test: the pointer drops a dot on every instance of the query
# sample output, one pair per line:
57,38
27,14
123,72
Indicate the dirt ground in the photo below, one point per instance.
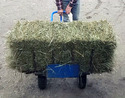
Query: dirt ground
108,85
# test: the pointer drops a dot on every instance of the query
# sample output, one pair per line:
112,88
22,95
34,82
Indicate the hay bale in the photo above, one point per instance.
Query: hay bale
59,43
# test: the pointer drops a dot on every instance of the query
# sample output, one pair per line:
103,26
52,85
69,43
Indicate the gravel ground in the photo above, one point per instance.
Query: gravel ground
107,85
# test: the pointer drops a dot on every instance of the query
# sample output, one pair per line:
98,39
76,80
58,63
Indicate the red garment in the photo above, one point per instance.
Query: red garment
60,6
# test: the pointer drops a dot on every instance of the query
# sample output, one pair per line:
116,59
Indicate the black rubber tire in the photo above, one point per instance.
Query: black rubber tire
42,82
82,81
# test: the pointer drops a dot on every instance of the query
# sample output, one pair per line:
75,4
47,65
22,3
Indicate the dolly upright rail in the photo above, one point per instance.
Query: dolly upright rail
55,13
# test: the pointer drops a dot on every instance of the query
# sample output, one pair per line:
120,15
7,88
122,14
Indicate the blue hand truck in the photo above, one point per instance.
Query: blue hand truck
63,71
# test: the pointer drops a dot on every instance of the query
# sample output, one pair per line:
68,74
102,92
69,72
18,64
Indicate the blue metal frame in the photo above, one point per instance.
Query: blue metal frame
63,71
55,13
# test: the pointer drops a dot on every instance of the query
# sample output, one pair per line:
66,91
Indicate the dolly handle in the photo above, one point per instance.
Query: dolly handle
54,13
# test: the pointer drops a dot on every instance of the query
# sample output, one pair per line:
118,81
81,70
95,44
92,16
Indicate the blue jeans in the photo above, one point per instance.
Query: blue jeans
75,11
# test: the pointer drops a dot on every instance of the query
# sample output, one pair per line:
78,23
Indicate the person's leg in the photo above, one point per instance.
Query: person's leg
76,10
65,16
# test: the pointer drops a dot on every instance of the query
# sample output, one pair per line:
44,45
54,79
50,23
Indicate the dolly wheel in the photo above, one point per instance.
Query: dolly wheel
82,80
42,82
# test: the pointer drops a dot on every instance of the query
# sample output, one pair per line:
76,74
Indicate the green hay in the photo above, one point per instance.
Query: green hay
59,41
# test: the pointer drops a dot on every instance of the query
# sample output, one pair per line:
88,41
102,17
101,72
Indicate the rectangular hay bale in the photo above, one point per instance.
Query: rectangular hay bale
61,43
